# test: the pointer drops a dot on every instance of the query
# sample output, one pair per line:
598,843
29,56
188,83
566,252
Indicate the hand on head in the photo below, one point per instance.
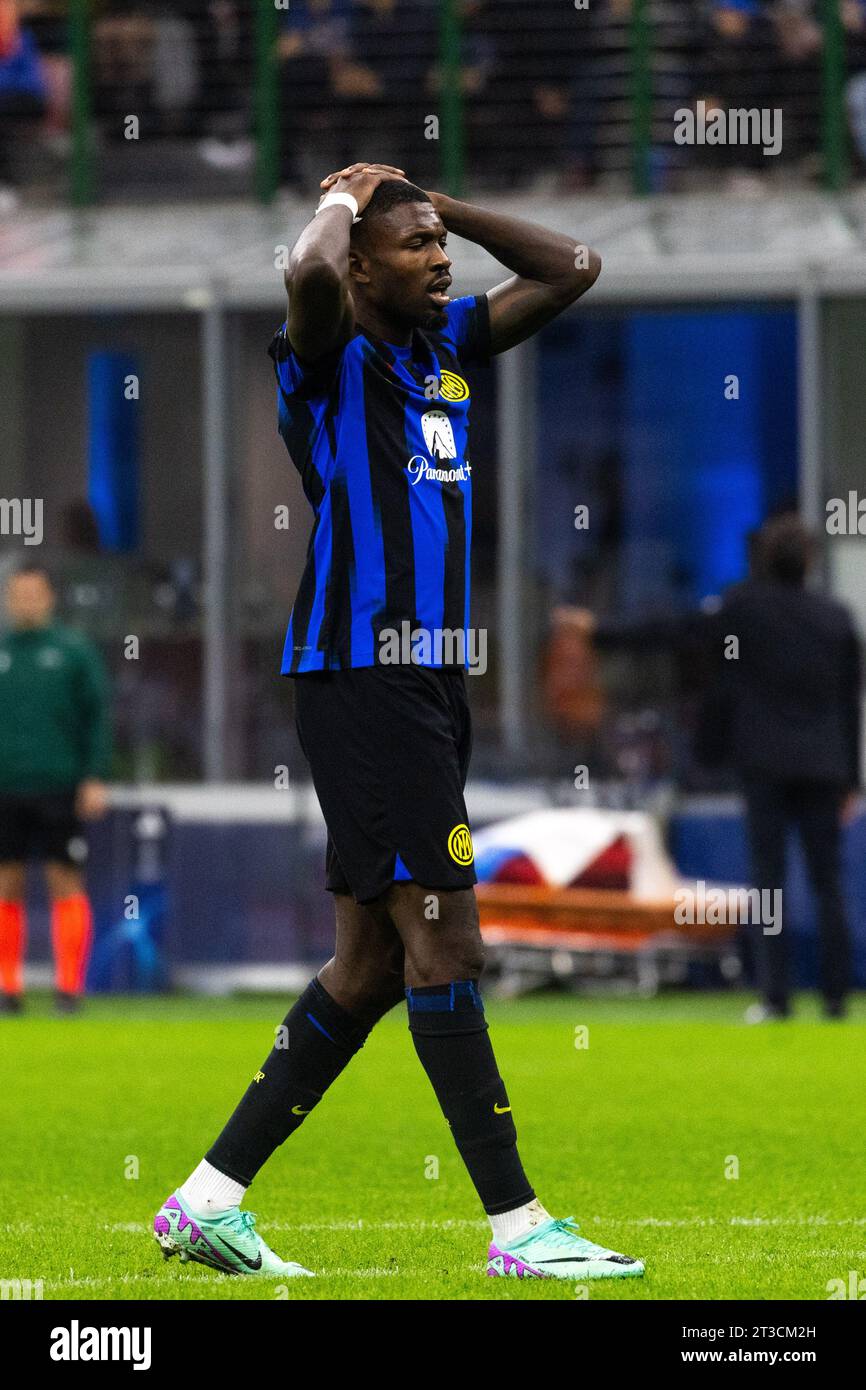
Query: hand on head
361,180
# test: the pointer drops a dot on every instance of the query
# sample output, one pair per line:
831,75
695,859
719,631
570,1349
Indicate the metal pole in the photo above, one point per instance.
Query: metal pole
833,97
451,133
215,428
81,165
516,373
641,96
267,101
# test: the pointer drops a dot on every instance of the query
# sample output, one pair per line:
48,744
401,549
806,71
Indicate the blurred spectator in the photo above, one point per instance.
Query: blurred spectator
490,156
574,700
183,68
224,48
22,94
362,77
122,65
854,21
795,739
796,86
740,50
371,82
783,710
547,89
316,72
47,21
600,93
54,758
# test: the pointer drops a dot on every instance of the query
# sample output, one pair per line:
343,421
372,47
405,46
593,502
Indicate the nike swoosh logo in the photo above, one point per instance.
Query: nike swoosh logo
250,1264
571,1259
296,1110
501,1109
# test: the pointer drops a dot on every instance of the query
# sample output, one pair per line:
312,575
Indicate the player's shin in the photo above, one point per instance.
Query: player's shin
72,938
13,932
317,1039
450,1034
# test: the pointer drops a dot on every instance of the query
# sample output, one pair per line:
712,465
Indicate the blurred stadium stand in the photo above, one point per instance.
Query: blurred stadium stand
228,96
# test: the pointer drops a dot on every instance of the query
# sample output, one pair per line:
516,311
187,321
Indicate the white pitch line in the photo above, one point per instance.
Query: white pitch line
21,1228
743,1221
159,1280
637,1222
141,1228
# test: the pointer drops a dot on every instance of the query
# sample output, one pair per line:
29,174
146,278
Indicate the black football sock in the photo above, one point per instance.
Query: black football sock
315,1043
450,1034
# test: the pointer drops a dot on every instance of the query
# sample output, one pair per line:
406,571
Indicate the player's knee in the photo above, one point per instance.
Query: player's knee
366,988
453,944
384,985
436,961
63,880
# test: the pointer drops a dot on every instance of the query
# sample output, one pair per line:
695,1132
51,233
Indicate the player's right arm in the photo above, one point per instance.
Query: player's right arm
321,317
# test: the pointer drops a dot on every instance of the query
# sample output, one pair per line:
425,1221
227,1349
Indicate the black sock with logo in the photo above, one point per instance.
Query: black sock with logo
450,1034
315,1042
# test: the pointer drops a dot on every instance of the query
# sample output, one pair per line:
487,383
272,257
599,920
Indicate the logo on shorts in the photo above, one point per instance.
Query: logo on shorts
460,845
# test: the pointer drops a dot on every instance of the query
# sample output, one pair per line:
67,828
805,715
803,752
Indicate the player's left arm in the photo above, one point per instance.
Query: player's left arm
551,270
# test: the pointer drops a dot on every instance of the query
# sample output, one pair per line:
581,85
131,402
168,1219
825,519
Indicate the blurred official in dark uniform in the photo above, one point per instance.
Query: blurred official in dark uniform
54,756
784,711
792,694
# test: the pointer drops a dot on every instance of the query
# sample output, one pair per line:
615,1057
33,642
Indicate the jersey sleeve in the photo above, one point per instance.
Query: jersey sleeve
297,378
469,328
94,711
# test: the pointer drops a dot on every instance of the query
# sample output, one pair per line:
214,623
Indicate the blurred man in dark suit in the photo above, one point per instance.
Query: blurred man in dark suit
792,686
783,711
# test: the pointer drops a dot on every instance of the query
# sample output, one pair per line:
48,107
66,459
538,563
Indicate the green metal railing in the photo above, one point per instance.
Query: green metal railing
834,133
452,131
452,141
81,168
267,101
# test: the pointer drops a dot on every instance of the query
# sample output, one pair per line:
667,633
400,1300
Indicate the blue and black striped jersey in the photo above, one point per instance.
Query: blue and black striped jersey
380,437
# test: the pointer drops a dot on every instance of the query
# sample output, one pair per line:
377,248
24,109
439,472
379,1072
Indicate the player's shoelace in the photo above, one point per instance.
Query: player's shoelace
243,1223
565,1232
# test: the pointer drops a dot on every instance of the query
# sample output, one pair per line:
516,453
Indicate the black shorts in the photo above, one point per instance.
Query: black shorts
388,748
41,825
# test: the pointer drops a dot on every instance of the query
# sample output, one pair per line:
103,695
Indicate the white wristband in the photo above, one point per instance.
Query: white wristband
345,200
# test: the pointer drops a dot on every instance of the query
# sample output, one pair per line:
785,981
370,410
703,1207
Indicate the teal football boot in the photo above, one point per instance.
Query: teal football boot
228,1242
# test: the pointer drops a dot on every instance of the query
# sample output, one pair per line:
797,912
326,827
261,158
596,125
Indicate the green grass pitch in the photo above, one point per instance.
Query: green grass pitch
633,1135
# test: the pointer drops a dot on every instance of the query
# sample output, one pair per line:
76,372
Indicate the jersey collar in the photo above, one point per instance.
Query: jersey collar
420,354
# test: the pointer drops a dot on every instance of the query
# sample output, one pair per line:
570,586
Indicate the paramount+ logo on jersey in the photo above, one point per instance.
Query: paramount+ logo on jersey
439,438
